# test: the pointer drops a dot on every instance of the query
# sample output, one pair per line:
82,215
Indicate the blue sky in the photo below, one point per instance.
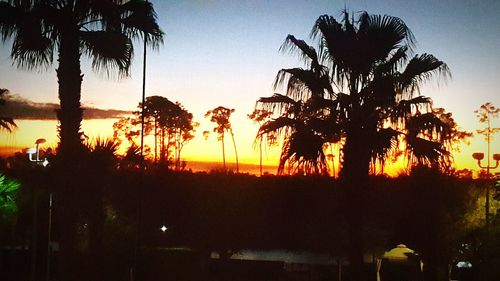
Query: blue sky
221,52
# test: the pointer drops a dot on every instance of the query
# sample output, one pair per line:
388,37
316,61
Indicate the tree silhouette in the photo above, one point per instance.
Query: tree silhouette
6,123
259,116
101,161
126,129
375,112
183,130
299,118
159,111
485,113
172,126
101,30
220,116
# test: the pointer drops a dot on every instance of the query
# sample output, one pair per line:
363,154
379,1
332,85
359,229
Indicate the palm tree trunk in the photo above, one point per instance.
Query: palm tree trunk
223,153
164,151
260,155
355,178
156,142
70,147
70,80
333,160
235,152
178,149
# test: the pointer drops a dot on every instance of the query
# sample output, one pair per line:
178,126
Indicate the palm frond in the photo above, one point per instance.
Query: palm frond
384,144
140,20
393,63
428,124
328,128
278,103
276,125
105,144
303,153
9,20
383,34
8,193
419,70
106,10
102,152
426,152
337,48
300,83
108,50
404,108
308,53
132,158
7,123
31,48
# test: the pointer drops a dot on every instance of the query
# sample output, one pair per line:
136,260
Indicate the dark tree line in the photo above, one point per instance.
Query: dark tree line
225,213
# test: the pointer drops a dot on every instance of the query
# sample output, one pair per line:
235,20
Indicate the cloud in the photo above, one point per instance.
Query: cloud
20,108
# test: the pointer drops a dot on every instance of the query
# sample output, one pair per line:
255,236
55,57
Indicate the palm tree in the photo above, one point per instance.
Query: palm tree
6,123
302,150
101,161
376,105
299,114
102,30
220,116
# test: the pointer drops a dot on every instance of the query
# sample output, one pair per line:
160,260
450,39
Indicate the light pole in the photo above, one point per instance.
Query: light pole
133,268
480,156
44,162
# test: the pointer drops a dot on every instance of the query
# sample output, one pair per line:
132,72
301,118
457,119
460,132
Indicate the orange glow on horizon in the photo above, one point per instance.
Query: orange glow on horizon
207,154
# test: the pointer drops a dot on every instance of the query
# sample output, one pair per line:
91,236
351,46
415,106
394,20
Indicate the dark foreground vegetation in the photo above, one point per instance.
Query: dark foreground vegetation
116,216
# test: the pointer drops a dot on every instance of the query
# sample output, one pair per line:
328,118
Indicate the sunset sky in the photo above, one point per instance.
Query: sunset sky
223,52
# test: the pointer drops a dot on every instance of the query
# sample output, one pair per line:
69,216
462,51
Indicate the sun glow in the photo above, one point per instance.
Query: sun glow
201,154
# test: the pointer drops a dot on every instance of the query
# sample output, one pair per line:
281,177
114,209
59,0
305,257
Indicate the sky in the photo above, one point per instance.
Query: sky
222,52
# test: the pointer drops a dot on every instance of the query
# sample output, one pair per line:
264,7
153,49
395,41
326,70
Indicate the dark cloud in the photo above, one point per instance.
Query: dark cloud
19,108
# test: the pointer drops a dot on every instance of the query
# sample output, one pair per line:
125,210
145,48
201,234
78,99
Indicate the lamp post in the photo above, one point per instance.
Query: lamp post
36,151
480,156
44,162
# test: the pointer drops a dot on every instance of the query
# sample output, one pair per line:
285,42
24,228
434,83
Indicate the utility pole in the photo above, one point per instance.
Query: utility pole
133,269
485,113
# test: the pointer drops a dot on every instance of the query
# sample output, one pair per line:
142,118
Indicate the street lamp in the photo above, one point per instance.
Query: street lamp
480,156
36,151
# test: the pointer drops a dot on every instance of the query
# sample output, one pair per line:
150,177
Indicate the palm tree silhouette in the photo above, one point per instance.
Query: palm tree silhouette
101,162
301,118
102,30
6,123
220,116
376,105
